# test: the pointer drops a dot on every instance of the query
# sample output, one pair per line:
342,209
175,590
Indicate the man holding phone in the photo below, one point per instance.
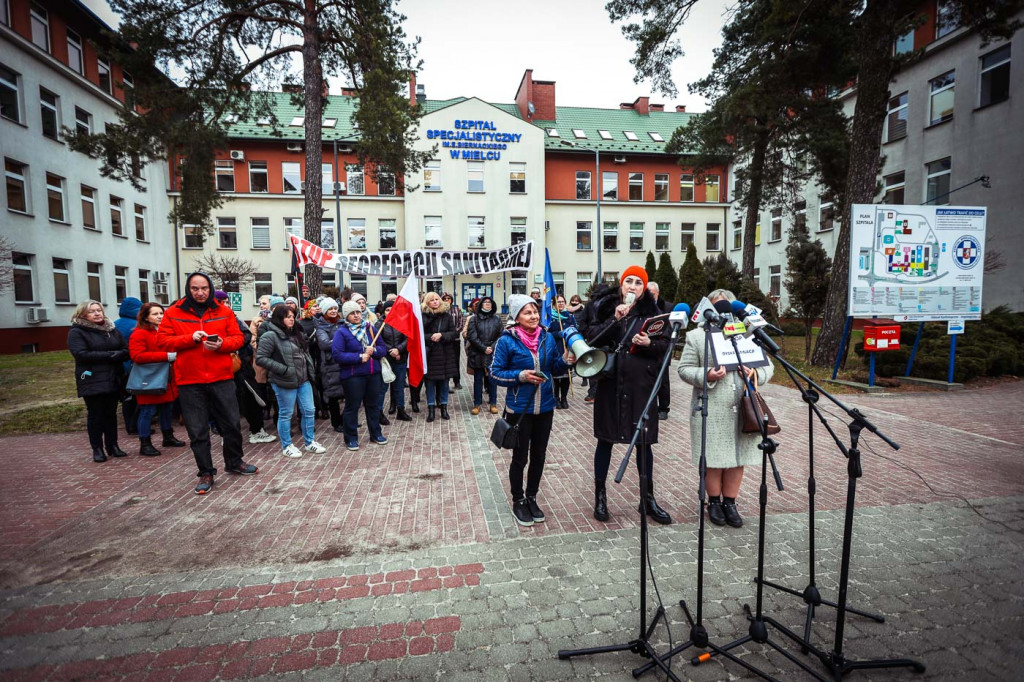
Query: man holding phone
204,333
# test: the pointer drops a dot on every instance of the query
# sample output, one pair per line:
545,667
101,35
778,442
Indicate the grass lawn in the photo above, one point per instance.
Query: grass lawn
37,394
793,351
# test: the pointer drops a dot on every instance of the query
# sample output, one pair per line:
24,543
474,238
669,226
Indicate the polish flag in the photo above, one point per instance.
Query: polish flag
406,317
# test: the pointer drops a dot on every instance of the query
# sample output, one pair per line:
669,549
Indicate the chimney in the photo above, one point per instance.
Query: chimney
657,107
524,95
535,99
291,88
421,93
348,92
680,108
641,105
323,89
412,87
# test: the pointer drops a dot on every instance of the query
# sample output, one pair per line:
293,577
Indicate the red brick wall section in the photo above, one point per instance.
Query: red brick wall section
47,338
544,100
560,170
524,94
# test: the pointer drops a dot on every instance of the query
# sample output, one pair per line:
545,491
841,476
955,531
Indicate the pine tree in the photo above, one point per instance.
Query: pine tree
807,278
651,267
692,281
666,277
721,273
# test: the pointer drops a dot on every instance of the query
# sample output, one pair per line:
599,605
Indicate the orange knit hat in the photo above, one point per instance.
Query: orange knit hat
636,271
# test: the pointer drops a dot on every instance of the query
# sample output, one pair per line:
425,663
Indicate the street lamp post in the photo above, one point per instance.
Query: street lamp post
597,194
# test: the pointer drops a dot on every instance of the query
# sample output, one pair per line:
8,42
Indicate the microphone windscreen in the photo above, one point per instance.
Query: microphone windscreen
738,307
630,297
681,308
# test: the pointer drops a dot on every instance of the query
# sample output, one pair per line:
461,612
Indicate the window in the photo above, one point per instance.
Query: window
327,179
583,282
10,95
5,15
327,233
896,118
24,280
83,121
193,236
105,81
584,242
995,77
298,121
432,231
388,231
559,280
260,232
17,190
712,237
227,234
605,135
517,178
610,277
475,176
357,233
359,284
291,177
583,185
40,21
894,186
518,229
686,187
354,179
127,82
432,176
224,172
330,123
737,235
609,186
630,135
143,285
49,111
258,176
937,182
636,186
757,278
579,134
263,283
120,283
519,281
636,236
826,215
711,193
946,18
476,232
552,132
686,233
88,207
661,186
776,233
56,207
436,285
292,226
610,236
775,280
385,184
757,233
95,278
388,285
940,102
904,44
800,214
661,236
329,278
61,281
656,136
116,226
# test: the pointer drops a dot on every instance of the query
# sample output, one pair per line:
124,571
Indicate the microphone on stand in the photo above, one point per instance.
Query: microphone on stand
710,315
679,318
754,324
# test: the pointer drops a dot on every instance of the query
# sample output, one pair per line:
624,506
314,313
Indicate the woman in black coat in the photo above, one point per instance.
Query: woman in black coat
398,357
99,351
612,321
442,340
326,326
482,334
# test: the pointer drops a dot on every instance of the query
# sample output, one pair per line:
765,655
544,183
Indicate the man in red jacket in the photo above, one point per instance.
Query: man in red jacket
204,333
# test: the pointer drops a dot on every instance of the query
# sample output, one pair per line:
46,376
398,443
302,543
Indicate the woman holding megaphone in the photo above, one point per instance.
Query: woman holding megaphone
613,320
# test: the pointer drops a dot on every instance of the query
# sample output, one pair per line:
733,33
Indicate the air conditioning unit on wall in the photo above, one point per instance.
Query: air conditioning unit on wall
159,276
237,154
160,289
294,147
620,159
36,315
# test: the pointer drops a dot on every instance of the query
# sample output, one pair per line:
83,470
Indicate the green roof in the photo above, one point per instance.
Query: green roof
617,122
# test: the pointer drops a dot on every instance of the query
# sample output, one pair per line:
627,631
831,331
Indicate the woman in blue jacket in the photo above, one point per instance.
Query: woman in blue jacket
525,359
359,370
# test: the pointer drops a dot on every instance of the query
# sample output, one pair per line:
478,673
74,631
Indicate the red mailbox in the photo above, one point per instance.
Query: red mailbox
881,338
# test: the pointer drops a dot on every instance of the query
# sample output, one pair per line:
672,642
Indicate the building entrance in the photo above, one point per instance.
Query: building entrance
471,291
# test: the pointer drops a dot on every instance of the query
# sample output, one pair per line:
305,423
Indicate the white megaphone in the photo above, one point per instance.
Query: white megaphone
589,361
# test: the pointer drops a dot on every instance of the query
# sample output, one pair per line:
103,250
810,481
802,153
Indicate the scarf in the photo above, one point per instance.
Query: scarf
107,326
359,331
531,339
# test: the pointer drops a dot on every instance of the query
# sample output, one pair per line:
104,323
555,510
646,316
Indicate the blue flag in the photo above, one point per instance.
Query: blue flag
548,292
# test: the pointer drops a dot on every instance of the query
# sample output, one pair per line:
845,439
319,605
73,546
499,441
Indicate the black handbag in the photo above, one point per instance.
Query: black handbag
504,434
611,357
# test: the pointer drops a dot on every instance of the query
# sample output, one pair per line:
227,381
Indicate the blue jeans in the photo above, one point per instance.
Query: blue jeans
146,413
437,391
481,377
366,391
286,398
397,387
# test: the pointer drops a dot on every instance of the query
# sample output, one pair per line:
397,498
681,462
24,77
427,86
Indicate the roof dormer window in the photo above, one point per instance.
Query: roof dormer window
579,134
553,132
298,121
656,136
630,135
605,135
330,122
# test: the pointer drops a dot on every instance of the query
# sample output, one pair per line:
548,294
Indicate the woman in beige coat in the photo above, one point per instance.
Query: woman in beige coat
728,448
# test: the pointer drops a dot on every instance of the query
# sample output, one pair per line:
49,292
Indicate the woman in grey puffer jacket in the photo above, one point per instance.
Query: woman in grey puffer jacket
282,351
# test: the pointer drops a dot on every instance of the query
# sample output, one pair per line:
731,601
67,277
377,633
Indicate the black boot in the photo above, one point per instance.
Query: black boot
444,412
146,448
171,442
601,503
116,451
415,407
403,416
98,455
657,514
392,409
384,421
430,412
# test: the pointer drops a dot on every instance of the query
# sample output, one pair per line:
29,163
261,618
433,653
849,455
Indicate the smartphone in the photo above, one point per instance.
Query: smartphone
542,375
212,338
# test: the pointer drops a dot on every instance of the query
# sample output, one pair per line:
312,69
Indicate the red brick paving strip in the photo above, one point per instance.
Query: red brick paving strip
113,612
245,660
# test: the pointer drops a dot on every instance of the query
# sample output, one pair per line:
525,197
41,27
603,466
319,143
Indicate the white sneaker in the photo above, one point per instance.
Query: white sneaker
261,437
316,448
292,451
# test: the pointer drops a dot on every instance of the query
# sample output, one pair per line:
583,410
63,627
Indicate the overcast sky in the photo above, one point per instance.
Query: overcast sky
482,49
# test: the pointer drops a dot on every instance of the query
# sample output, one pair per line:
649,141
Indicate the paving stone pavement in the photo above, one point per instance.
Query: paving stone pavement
403,561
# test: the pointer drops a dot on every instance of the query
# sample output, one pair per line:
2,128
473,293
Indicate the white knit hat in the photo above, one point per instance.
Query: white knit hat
349,308
516,303
327,303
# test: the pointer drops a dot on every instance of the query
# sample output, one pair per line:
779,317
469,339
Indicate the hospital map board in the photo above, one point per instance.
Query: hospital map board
916,263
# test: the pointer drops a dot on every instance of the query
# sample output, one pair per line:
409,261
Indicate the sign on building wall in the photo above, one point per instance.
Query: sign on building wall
916,263
422,262
474,140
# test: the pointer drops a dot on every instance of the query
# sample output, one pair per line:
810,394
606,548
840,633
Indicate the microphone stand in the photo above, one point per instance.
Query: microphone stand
698,633
642,644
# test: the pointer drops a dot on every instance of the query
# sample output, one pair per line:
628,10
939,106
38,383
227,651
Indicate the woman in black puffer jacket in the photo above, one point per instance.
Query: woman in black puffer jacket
99,351
326,327
442,340
397,345
483,333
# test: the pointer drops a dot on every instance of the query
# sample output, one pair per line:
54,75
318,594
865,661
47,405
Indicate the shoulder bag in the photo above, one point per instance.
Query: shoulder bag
386,372
148,379
750,420
504,434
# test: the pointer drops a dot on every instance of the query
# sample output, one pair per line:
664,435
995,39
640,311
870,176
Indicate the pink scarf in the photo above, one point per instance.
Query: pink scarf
531,339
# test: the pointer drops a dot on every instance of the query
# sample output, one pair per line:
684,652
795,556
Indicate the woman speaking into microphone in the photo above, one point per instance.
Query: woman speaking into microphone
613,320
